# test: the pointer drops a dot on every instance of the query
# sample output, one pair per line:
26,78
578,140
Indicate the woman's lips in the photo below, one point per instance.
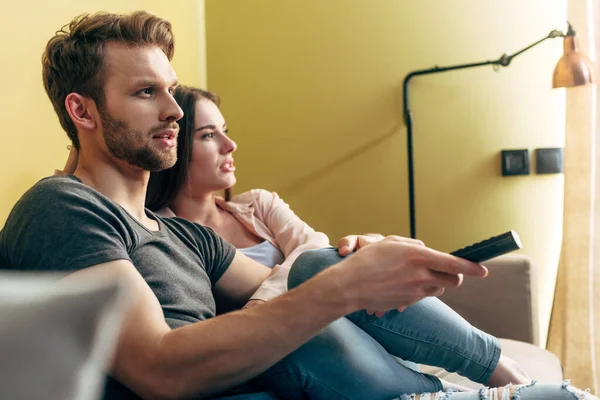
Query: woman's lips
228,166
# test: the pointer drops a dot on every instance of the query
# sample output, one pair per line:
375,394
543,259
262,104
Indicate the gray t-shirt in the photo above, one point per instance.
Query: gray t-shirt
60,224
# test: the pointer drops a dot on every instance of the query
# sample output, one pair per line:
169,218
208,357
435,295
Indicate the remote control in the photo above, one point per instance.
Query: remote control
490,248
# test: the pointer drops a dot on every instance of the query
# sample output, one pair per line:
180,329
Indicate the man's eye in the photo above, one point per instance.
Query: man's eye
146,92
172,91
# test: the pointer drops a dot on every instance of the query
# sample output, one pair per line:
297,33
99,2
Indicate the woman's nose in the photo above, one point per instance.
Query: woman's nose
229,146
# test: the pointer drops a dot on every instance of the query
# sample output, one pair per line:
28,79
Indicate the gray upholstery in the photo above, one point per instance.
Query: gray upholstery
539,364
56,338
504,305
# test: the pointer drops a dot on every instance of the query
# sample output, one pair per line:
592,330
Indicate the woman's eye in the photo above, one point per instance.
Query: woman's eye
226,131
209,135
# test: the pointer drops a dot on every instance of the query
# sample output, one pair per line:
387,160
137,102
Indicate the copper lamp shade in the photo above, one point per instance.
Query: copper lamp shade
574,68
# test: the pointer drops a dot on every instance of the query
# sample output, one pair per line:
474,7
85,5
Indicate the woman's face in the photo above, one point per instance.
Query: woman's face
211,167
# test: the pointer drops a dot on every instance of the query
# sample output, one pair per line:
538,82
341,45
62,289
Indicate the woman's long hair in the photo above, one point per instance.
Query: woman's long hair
164,185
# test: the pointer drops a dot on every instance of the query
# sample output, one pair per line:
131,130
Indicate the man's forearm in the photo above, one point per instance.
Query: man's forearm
212,355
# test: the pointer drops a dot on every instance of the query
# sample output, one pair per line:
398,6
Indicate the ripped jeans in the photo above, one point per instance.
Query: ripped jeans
352,357
523,392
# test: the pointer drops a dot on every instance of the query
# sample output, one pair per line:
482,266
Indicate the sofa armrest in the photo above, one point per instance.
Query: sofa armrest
504,304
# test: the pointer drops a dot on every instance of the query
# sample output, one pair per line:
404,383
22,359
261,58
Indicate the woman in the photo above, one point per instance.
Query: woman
262,226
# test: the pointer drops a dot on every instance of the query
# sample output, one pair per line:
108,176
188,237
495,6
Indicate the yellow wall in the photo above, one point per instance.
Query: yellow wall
311,90
34,143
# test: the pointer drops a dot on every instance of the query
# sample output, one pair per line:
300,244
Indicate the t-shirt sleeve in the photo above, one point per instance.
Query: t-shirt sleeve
215,251
62,225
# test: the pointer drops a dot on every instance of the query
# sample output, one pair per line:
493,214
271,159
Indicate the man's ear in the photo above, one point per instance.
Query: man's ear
82,111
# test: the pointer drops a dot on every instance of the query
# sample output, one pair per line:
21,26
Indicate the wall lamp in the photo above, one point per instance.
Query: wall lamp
573,69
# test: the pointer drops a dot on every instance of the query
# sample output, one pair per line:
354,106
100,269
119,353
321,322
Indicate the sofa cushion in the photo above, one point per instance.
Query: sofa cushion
56,338
540,364
477,300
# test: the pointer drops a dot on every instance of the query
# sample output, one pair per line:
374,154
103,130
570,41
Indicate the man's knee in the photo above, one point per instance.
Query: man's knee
310,263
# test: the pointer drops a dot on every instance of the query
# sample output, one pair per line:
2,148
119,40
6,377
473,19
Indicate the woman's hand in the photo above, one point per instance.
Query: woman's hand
350,243
72,160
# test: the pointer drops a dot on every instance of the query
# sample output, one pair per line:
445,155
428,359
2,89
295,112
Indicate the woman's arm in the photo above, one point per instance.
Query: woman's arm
293,237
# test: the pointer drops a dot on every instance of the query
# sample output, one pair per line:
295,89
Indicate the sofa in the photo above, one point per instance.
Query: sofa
57,336
76,325
505,305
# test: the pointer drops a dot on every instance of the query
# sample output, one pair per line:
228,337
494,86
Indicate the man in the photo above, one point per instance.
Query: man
111,83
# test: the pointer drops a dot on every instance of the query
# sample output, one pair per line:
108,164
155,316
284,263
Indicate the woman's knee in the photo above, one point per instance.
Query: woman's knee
343,362
310,263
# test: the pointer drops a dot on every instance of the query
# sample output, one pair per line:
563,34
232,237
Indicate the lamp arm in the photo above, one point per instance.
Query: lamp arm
503,61
507,58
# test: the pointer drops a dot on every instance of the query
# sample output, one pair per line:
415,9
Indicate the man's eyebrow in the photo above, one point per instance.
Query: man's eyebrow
152,83
144,82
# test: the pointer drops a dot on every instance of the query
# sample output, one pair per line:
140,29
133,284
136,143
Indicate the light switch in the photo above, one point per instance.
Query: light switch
515,162
549,160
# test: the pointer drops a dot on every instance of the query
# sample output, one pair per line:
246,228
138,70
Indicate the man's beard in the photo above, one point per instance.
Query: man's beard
123,143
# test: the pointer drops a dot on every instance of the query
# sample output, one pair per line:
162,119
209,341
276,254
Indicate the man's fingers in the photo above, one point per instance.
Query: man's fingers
449,281
447,263
434,291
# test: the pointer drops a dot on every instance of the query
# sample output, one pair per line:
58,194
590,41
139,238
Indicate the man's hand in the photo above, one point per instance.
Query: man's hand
350,243
394,273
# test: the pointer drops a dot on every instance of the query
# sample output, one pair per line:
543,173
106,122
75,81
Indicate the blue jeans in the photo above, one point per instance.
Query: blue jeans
531,392
350,358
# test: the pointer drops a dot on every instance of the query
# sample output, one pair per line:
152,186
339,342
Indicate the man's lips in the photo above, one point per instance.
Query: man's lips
166,134
167,137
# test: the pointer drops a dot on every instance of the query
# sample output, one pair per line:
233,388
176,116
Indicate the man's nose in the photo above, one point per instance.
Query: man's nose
170,110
